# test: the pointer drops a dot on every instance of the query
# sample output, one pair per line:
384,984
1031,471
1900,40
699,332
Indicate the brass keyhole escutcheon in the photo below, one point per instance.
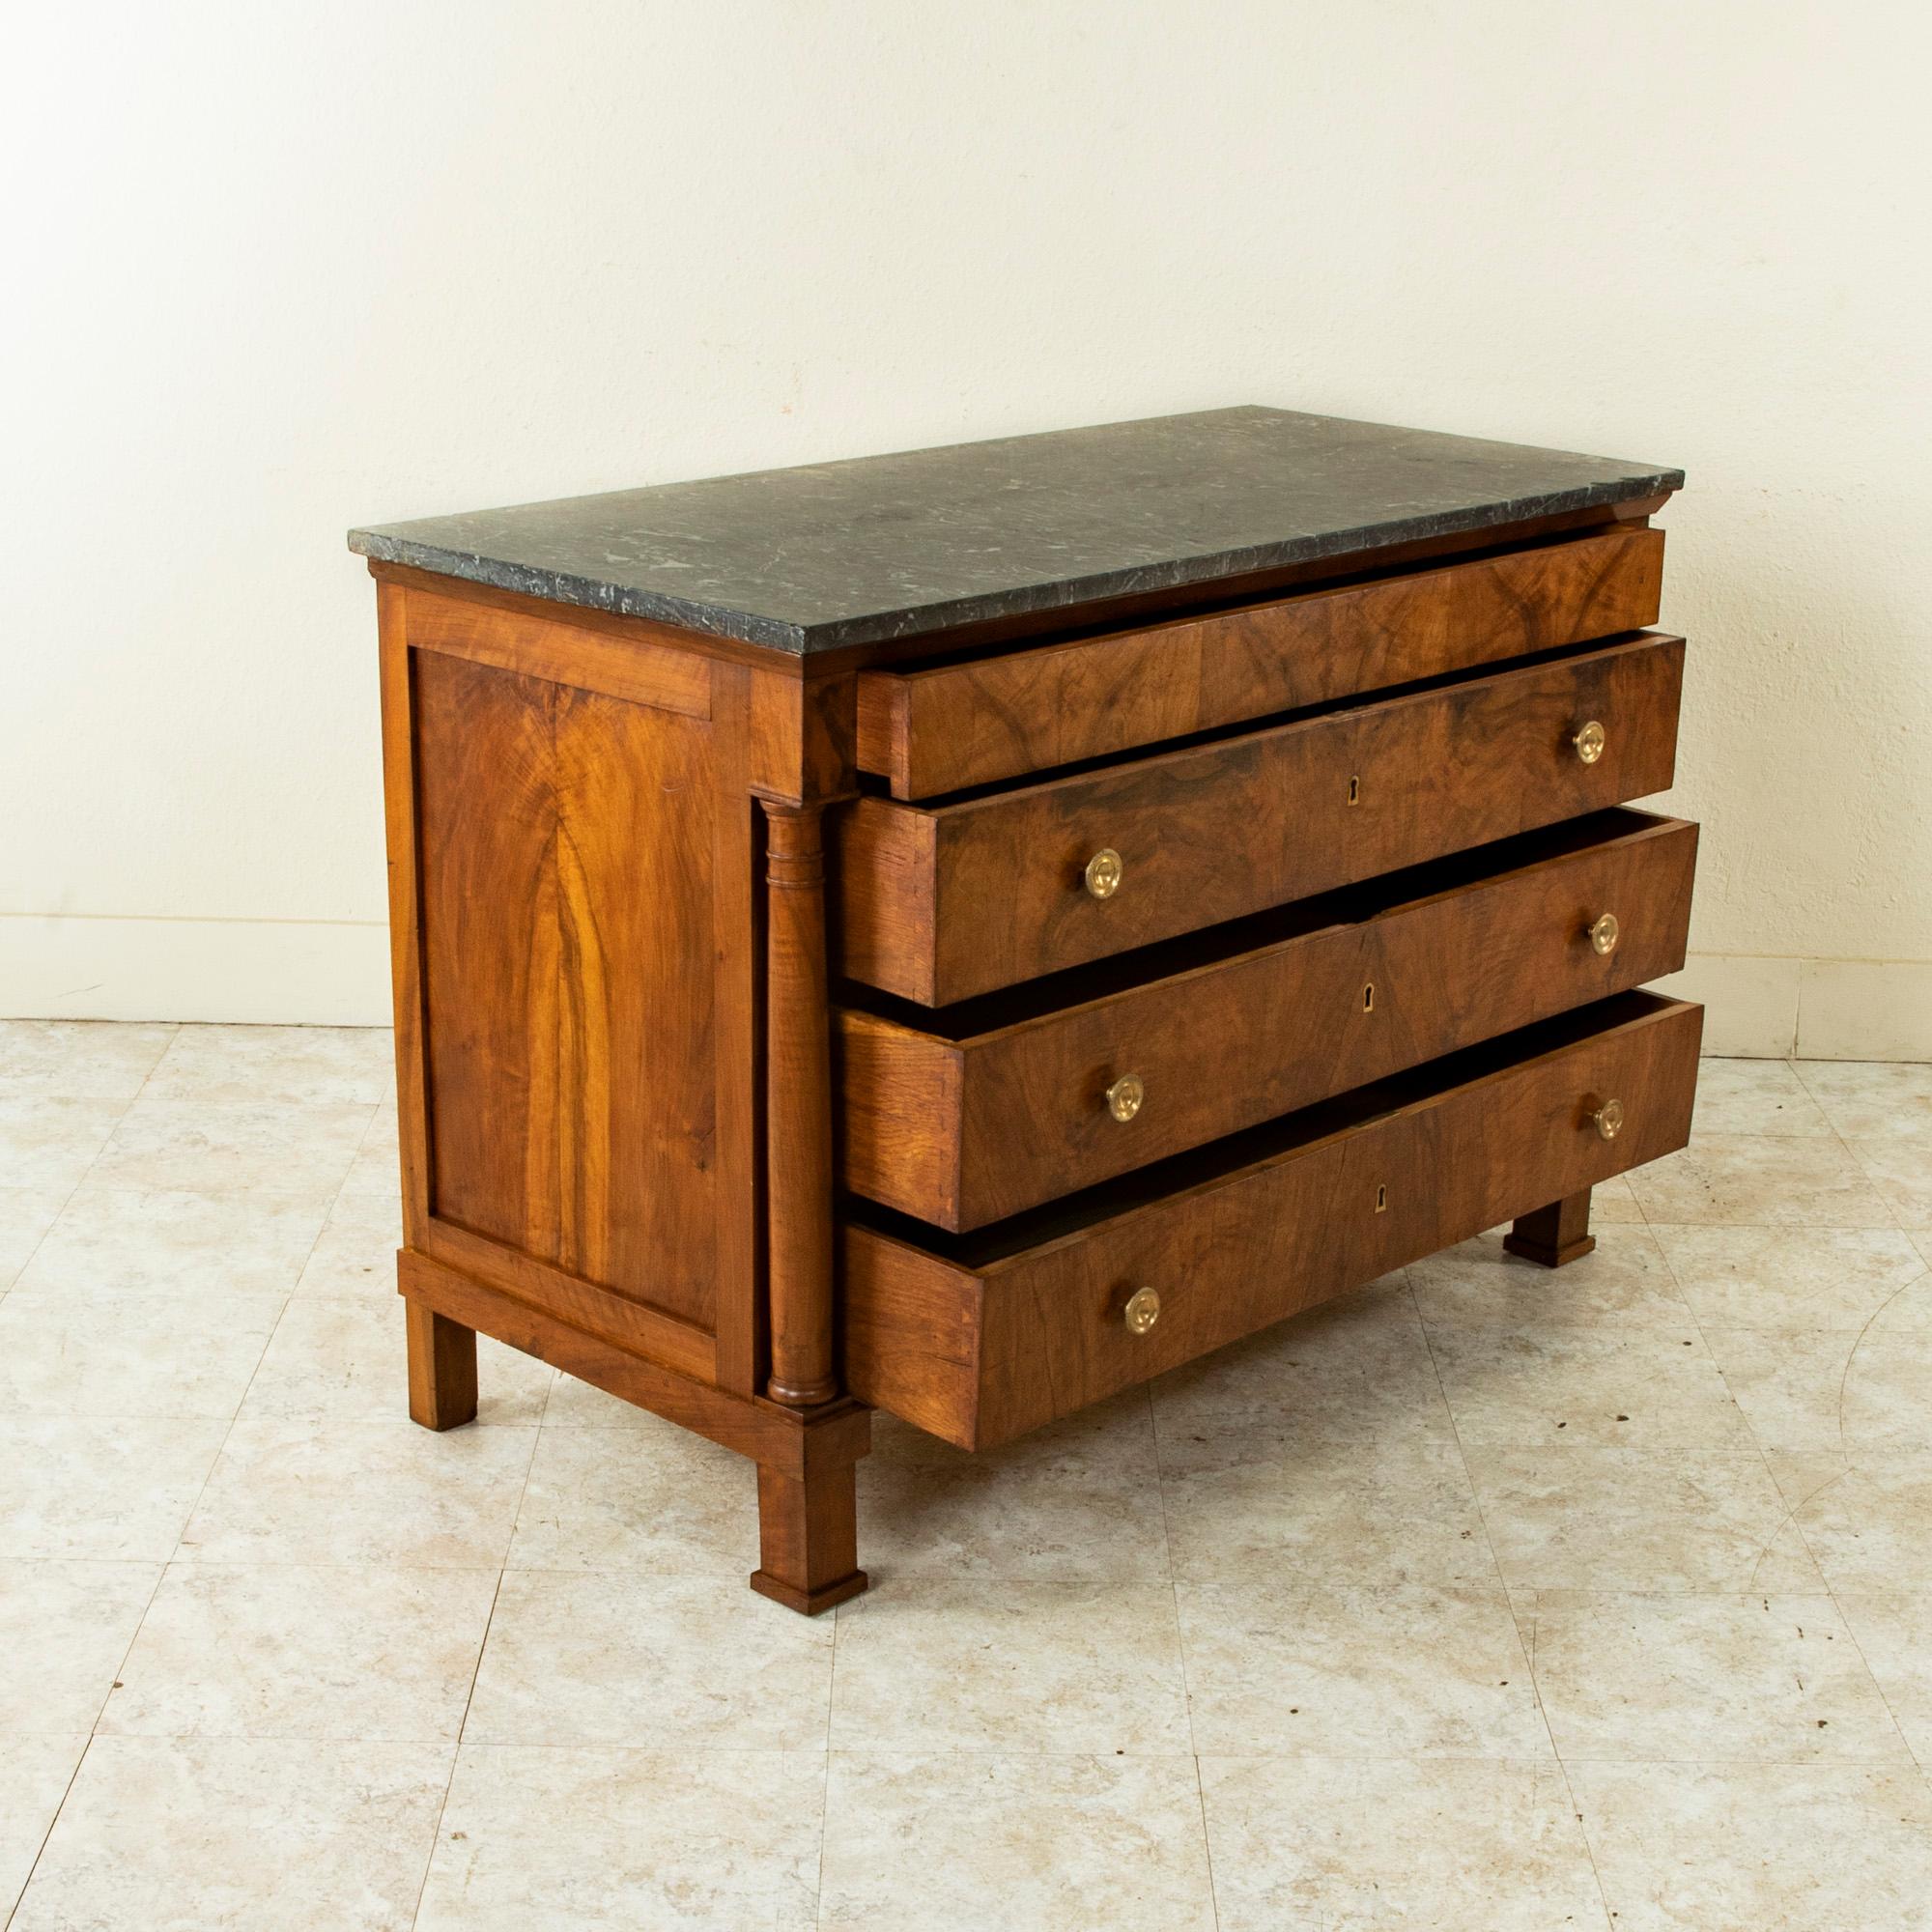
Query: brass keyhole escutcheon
1382,1199
1590,742
1124,1097
1606,1115
1143,1311
1355,790
1369,997
1104,872
1603,935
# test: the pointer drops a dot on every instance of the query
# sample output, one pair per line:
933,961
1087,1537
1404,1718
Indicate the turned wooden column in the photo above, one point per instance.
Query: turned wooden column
797,1109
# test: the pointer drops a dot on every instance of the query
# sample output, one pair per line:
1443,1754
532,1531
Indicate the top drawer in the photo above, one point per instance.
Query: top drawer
938,902
941,730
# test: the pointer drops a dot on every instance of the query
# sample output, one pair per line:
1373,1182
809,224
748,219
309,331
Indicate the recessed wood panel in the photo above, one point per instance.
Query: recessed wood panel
566,849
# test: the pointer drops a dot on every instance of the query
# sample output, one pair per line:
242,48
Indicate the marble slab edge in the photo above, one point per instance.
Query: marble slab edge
858,550
878,627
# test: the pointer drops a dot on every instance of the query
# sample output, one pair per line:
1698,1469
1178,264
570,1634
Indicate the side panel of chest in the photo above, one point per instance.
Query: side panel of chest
582,847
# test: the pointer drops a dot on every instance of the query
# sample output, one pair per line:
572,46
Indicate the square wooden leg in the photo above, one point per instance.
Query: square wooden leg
808,1538
1554,1235
443,1367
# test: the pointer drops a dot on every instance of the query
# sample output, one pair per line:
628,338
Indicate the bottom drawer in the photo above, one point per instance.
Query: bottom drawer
980,1337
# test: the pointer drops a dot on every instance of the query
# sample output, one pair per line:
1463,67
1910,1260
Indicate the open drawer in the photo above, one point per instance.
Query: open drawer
980,1337
933,728
1121,1064
937,904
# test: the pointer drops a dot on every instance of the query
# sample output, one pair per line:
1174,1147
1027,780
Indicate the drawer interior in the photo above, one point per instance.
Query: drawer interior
974,717
979,1337
1300,714
938,903
1169,958
1074,1215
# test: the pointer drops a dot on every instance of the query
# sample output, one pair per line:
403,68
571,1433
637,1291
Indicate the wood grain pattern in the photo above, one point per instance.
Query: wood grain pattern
603,1312
809,1539
1457,952
931,731
569,972
609,942
1051,623
442,1366
798,1107
559,652
1555,1235
399,816
1008,1330
770,1434
940,903
579,616
737,941
801,737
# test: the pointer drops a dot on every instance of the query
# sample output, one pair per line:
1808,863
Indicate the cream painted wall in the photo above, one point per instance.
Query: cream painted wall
278,268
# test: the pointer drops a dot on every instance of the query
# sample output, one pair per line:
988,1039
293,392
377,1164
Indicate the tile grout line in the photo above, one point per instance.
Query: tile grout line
1798,1528
501,1570
1181,1650
1852,1153
213,1461
1790,1519
66,1199
93,1732
456,1752
322,1228
1527,1646
475,1671
187,1517
825,1783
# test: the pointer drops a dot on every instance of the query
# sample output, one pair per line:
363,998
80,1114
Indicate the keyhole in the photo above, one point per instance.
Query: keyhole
1369,997
1382,1199
1355,790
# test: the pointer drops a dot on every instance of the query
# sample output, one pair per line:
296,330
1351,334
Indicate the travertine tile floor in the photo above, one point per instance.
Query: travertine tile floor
1488,1598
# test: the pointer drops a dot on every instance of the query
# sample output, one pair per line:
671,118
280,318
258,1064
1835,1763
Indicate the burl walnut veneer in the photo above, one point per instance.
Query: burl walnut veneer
967,931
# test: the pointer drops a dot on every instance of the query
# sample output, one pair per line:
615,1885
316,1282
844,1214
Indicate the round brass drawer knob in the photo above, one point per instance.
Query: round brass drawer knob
1143,1311
1608,1120
1124,1097
1604,934
1103,873
1590,742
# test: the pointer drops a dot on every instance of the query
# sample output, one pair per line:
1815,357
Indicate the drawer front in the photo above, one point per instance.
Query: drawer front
981,1351
937,904
943,729
927,1120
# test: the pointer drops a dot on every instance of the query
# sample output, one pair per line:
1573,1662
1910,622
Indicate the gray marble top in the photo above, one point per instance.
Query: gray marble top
835,554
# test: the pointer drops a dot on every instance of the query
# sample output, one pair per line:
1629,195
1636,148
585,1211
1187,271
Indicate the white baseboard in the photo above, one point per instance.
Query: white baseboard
337,974
1763,1009
263,970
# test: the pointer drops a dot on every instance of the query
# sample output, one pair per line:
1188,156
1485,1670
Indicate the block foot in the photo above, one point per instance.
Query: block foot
442,1369
1554,1236
808,1538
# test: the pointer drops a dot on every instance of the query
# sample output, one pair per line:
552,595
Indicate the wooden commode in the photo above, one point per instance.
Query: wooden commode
965,932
